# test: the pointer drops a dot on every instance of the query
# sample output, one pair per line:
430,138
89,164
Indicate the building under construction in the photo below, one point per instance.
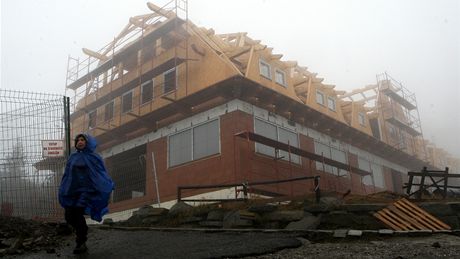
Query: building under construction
173,105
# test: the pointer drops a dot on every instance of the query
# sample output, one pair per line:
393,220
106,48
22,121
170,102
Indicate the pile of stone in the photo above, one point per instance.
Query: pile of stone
18,236
330,214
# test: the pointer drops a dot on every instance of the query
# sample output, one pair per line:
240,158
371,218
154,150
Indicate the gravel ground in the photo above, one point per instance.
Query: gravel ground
432,246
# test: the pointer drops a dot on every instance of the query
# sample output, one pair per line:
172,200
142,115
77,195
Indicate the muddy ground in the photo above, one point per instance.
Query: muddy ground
116,243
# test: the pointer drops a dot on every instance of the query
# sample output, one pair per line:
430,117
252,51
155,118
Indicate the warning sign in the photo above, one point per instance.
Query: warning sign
53,148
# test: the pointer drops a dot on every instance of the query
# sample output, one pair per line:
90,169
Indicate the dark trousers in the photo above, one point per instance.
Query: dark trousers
75,217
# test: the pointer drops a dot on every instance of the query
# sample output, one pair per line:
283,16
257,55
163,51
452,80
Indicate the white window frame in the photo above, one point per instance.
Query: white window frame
266,64
331,103
318,94
192,144
283,77
361,119
294,158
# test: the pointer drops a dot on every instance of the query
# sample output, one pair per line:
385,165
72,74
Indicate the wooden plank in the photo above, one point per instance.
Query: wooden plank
426,213
392,217
413,223
418,217
404,215
387,222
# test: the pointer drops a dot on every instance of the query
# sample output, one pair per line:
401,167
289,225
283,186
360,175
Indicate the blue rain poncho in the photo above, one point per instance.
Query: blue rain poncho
85,182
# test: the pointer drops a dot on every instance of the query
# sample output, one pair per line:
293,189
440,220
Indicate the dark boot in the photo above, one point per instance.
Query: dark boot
80,249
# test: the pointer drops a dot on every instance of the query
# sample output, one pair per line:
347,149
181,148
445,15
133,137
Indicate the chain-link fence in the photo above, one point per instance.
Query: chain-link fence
33,149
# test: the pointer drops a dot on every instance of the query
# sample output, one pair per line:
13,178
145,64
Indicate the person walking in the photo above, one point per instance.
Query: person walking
85,188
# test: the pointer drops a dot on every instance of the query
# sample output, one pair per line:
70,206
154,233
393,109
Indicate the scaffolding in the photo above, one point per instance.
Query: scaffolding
394,114
130,60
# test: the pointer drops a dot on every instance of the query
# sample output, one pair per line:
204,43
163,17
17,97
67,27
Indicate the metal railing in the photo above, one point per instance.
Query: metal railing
245,187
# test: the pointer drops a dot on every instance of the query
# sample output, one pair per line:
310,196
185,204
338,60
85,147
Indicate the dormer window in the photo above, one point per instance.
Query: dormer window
265,69
320,97
331,103
280,77
361,119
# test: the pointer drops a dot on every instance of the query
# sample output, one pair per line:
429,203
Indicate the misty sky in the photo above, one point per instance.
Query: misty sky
346,42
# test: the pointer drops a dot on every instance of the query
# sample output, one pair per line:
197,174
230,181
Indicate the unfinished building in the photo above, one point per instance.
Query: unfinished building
173,104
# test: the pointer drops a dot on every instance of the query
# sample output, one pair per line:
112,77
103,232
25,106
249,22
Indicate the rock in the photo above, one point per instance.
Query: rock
340,233
209,223
215,215
355,233
306,223
63,229
436,245
108,221
147,211
233,219
362,207
191,219
284,215
150,220
179,208
437,209
262,208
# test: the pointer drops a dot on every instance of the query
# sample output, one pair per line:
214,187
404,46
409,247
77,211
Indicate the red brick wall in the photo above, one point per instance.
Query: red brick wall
236,163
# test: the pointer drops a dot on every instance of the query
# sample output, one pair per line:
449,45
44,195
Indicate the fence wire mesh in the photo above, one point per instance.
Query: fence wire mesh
28,180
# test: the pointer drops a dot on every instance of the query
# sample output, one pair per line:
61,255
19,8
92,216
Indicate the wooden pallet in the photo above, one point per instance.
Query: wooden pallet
404,215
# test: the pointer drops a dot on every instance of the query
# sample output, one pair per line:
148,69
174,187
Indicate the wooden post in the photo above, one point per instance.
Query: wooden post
409,185
446,176
422,184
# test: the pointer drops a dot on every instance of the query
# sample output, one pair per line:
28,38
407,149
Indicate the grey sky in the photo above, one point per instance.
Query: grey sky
346,42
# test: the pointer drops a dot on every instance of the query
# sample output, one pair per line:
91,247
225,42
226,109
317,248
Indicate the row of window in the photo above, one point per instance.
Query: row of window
321,99
265,70
204,140
147,94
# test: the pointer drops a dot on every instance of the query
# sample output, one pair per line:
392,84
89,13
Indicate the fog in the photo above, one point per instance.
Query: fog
346,42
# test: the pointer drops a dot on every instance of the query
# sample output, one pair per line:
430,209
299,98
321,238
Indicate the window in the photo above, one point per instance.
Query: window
365,165
340,156
194,143
325,151
276,133
170,80
280,77
320,97
206,139
392,130
146,91
92,116
128,171
264,68
361,119
377,173
108,111
127,102
331,103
